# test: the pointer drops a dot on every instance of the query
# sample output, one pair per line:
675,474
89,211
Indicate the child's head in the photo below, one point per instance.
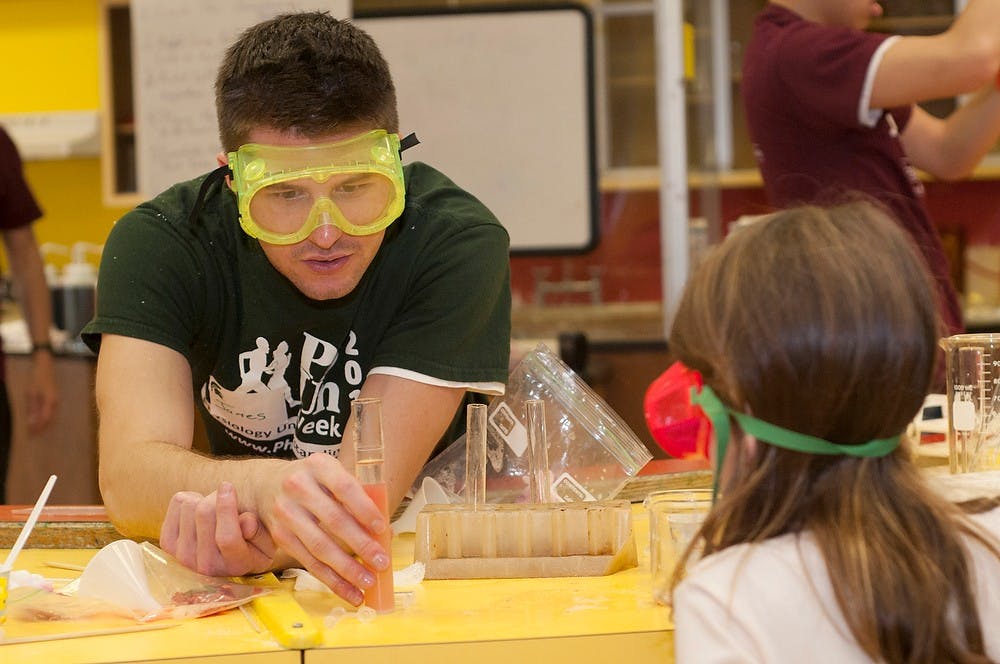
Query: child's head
823,321
303,72
819,320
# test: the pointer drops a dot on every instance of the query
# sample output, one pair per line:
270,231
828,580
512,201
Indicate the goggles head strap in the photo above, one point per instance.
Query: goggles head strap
719,416
218,175
408,141
800,442
772,434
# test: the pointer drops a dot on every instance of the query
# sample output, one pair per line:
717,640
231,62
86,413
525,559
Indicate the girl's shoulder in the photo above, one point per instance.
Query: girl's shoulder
756,566
989,522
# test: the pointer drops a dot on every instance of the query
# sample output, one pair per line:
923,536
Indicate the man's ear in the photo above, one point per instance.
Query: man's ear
222,160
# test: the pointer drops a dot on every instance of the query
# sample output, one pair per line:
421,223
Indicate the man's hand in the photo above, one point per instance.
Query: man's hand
209,534
320,515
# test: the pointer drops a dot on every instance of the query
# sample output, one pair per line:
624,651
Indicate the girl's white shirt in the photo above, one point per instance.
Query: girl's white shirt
774,602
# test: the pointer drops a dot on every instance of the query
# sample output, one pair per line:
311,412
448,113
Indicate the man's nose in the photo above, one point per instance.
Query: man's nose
326,233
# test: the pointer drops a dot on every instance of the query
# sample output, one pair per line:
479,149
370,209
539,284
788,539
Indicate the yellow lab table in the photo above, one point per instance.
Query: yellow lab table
226,638
579,620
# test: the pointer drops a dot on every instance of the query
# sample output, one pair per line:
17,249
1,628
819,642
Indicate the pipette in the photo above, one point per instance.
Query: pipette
29,525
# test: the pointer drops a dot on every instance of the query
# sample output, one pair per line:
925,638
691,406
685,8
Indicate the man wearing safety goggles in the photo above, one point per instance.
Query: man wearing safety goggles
286,193
309,270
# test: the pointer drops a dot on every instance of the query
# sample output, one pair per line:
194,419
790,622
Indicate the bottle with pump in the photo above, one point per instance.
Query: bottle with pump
79,291
54,281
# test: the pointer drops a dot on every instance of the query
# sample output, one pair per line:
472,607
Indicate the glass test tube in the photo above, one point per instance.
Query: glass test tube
538,452
475,454
369,458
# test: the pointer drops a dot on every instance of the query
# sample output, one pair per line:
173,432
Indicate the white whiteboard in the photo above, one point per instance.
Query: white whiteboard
502,102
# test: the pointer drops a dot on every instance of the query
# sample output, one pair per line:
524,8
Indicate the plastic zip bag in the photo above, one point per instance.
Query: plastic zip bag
148,584
591,451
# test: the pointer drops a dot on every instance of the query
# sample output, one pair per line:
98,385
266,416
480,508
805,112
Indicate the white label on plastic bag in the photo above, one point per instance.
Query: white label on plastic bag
963,414
568,490
510,428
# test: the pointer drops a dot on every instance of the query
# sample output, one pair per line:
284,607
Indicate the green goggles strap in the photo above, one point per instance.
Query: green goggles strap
800,442
772,434
717,412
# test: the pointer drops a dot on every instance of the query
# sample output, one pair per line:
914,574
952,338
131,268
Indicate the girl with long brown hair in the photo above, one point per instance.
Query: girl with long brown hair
815,333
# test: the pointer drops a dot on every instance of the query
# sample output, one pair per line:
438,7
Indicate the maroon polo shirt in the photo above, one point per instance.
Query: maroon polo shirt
805,90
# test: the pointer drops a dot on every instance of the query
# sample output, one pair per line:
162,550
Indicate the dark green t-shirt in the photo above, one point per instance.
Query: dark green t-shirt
274,371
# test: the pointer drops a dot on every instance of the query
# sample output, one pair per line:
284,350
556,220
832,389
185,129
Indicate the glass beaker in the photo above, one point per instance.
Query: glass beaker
675,516
972,366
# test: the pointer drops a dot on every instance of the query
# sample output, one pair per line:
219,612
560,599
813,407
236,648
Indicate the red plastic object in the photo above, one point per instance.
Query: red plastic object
678,426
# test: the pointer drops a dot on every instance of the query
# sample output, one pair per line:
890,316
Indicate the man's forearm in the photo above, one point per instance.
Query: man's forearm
973,130
29,277
138,480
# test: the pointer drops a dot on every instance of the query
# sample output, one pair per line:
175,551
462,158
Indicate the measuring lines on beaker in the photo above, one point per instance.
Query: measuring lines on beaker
974,404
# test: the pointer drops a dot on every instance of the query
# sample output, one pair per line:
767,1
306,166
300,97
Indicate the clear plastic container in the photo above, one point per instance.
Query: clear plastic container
592,453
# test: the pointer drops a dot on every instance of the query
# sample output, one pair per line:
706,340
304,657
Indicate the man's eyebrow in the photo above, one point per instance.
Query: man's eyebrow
352,177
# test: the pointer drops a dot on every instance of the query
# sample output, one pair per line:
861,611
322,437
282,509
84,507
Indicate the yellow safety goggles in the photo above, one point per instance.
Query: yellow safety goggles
285,193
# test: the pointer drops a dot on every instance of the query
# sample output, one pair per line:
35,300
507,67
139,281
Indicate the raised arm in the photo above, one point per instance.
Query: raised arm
951,148
962,60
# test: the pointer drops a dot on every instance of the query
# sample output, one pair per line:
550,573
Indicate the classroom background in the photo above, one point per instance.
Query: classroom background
603,306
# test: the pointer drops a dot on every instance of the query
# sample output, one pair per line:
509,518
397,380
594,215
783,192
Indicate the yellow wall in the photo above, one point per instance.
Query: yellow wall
50,55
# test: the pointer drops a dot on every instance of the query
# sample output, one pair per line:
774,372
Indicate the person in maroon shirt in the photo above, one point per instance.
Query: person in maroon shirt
18,210
832,109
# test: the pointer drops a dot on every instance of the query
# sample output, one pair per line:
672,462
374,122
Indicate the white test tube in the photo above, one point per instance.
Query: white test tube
538,452
475,454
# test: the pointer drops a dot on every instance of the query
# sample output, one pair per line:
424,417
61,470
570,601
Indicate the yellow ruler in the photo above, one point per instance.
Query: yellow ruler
283,617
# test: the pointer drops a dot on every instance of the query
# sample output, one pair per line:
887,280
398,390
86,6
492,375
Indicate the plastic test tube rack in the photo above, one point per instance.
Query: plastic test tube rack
525,540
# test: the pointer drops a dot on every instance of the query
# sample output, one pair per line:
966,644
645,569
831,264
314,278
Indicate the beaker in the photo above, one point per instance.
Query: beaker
972,366
675,517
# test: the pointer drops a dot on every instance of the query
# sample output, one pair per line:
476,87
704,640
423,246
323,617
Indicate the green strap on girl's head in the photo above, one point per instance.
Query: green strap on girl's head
769,433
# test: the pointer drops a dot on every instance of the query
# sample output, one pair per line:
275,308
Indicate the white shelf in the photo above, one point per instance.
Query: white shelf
54,134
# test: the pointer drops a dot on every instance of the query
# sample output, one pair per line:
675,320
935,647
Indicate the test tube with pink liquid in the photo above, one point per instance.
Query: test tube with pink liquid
369,458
